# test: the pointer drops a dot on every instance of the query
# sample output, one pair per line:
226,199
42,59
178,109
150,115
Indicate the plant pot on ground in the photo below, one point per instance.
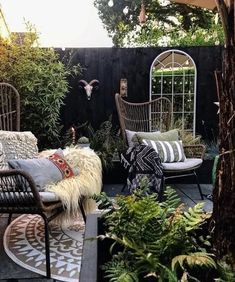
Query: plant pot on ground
83,142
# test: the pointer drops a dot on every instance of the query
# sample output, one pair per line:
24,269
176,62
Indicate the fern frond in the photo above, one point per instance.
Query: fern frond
194,217
123,277
194,259
103,201
119,269
172,199
226,272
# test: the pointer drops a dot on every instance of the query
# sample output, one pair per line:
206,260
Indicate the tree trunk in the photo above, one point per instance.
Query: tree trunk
224,192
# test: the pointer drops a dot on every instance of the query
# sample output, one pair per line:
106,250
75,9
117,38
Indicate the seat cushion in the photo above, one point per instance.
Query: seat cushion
188,164
48,197
14,198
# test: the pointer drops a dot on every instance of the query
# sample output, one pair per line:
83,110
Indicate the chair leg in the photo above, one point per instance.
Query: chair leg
123,187
9,218
47,247
82,209
162,188
198,185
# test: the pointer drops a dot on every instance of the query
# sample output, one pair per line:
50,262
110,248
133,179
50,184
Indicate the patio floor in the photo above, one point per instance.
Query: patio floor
11,272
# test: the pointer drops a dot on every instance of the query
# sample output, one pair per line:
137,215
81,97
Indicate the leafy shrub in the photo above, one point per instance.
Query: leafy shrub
105,141
160,241
41,80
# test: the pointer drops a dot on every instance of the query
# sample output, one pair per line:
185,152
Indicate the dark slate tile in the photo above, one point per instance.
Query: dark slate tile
9,270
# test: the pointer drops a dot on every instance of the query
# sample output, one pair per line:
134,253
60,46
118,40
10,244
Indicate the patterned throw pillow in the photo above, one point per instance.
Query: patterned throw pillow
169,151
45,171
16,145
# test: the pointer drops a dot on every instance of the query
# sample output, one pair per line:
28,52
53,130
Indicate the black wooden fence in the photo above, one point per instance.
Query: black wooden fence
109,65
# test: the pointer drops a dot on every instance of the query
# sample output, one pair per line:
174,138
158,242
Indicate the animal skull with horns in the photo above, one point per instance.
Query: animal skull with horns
89,86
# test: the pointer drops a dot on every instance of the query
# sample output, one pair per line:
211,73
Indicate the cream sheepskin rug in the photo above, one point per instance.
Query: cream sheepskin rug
87,183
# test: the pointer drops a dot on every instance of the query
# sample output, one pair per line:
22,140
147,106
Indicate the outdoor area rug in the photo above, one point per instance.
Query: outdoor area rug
24,243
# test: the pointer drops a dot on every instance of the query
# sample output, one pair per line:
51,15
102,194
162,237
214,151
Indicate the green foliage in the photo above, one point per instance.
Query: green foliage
167,24
198,36
194,259
227,274
103,201
119,270
187,137
106,143
156,237
41,80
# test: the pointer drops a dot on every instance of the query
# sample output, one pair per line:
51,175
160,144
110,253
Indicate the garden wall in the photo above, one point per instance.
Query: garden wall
109,65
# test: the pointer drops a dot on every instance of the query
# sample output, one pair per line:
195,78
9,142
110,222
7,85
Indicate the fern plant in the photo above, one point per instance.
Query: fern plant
159,240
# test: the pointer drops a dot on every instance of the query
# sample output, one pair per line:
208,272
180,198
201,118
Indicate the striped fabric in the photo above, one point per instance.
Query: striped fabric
169,151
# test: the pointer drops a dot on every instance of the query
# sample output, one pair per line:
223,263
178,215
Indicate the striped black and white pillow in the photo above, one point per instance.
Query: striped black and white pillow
169,151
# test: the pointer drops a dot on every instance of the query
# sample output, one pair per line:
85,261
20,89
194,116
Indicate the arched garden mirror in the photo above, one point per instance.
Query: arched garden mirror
173,76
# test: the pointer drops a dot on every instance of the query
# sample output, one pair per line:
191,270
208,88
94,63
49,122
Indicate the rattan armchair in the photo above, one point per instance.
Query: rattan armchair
156,115
18,192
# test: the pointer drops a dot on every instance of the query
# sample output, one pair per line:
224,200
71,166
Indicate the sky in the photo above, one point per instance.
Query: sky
60,23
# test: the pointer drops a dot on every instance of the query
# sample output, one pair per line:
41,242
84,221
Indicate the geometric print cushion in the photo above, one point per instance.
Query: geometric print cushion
169,151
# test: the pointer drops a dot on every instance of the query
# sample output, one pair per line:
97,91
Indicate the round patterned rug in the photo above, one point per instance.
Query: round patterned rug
24,243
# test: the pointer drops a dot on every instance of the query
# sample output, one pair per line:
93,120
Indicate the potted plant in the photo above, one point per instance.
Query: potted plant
108,145
83,142
145,240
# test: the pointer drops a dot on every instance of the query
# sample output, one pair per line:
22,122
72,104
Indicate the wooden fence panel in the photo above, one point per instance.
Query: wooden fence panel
109,65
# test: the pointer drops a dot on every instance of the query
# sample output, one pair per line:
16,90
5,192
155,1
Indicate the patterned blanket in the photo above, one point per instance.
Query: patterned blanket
141,162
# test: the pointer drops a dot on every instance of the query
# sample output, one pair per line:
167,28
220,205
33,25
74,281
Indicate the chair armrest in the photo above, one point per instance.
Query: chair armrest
195,151
18,188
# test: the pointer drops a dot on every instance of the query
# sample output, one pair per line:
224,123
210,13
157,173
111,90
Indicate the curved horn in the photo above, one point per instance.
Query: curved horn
83,81
93,81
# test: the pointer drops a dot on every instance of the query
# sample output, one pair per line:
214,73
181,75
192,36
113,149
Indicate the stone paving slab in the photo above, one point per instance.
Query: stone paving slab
188,193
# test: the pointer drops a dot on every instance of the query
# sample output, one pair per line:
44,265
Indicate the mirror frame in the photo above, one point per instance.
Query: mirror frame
195,81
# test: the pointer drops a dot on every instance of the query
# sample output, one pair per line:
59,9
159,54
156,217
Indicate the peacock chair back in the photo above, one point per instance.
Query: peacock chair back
148,116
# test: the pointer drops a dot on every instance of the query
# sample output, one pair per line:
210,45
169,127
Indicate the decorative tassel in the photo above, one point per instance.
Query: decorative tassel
142,16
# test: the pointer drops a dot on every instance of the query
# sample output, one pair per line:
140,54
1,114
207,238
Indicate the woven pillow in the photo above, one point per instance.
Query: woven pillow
45,171
132,138
16,145
171,135
169,151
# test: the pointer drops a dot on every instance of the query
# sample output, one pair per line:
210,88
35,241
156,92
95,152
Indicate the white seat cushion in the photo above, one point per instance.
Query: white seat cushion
48,197
188,164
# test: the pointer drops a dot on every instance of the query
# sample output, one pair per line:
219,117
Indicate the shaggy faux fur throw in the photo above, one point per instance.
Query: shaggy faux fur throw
87,183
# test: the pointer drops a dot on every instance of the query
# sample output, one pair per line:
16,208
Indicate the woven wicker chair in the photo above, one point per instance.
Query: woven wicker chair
18,192
148,116
156,115
9,108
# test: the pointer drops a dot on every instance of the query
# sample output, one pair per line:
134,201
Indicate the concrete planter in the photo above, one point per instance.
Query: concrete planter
95,252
